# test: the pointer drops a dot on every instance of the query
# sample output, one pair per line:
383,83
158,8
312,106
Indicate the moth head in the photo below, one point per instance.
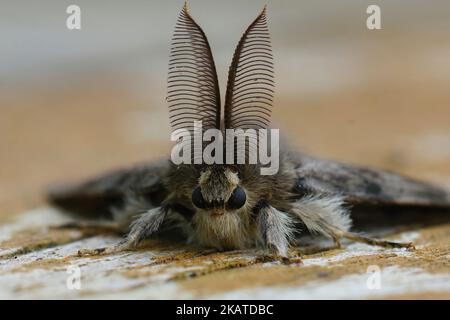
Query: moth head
193,95
219,191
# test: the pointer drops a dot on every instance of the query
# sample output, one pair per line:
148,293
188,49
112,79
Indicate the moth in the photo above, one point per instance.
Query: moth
232,207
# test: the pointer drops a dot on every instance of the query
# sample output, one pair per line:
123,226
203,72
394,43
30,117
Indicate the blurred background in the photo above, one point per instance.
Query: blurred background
74,103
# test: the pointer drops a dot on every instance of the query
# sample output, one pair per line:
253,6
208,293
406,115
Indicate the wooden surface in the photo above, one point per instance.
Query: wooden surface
379,99
38,261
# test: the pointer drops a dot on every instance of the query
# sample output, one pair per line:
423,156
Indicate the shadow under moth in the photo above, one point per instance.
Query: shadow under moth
233,206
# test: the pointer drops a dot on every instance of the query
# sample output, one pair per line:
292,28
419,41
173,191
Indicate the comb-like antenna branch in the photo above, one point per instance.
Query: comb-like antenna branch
193,89
249,96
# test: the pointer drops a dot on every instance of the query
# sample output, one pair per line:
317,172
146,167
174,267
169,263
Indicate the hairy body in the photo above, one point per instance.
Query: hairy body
234,206
148,200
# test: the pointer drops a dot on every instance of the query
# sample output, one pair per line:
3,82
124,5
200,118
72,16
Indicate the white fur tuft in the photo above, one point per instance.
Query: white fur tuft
322,214
226,231
134,206
280,229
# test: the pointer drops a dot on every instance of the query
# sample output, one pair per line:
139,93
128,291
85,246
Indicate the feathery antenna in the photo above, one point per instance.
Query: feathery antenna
250,88
192,85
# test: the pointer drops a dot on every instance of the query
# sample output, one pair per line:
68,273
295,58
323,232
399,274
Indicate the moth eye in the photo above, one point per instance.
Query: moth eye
237,199
197,198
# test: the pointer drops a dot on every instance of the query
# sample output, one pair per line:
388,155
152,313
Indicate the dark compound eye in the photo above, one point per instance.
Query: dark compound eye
237,199
197,198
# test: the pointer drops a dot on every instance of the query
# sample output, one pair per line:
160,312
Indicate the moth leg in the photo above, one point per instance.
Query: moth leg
98,226
275,230
143,227
314,249
327,215
121,246
337,242
374,242
322,213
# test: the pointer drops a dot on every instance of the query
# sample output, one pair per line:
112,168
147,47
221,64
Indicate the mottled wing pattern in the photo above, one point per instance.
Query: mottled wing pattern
250,87
97,197
192,88
361,185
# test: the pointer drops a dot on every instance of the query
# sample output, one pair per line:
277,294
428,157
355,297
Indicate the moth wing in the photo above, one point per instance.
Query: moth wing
97,197
363,185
